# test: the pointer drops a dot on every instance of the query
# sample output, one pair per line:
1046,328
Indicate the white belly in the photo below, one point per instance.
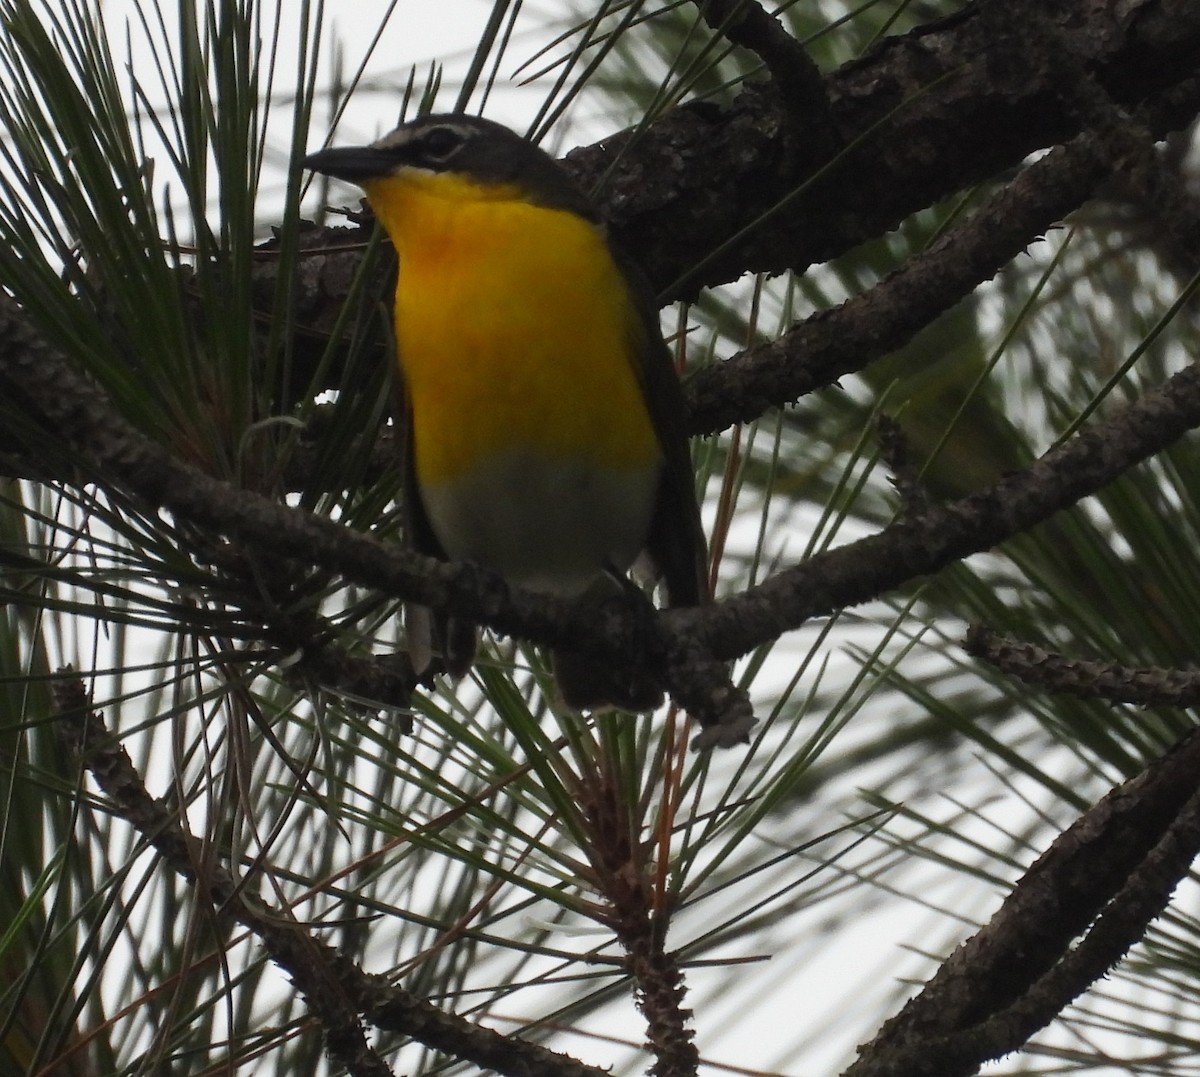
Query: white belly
549,527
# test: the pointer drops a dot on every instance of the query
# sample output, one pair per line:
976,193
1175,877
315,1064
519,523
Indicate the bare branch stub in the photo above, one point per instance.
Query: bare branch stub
809,113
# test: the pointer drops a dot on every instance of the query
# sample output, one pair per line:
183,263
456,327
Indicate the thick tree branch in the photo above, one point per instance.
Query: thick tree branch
681,640
938,110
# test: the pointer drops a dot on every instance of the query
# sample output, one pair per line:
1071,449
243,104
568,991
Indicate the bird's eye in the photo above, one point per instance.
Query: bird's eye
440,143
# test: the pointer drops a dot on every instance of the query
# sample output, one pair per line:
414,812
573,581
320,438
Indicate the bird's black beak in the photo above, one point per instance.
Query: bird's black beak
351,163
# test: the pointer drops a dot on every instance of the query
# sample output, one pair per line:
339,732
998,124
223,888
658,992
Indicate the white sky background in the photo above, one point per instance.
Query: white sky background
748,1015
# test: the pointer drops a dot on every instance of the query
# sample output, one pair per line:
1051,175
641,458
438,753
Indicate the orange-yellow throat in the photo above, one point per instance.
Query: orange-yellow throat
520,351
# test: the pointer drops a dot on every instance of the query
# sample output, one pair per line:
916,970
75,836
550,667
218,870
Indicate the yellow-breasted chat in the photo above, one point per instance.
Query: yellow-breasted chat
545,423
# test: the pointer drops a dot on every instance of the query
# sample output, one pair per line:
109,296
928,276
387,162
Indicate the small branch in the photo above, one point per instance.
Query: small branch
309,962
1114,869
805,99
896,454
335,988
704,688
660,994
383,681
622,870
1084,678
308,654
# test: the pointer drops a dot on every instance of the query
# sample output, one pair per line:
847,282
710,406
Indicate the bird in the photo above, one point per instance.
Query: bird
544,422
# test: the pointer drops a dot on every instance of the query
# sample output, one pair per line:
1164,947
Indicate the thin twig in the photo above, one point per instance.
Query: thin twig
896,453
1084,678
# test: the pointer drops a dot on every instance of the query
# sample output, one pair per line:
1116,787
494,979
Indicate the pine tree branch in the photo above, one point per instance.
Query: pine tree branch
935,111
920,544
684,646
337,990
1106,878
1084,678
310,963
622,874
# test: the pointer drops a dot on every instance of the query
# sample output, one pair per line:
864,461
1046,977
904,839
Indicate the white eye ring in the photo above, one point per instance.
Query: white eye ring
441,143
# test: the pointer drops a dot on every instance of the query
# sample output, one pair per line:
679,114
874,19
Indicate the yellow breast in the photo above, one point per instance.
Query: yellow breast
514,330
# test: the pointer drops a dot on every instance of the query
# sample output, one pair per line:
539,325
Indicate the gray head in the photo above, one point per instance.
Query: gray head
480,150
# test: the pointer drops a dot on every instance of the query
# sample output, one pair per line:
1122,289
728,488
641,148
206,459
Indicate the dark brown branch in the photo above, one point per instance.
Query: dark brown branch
921,544
845,339
263,591
794,74
310,963
622,871
337,990
659,995
1106,878
940,109
1084,678
377,682
915,546
80,415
